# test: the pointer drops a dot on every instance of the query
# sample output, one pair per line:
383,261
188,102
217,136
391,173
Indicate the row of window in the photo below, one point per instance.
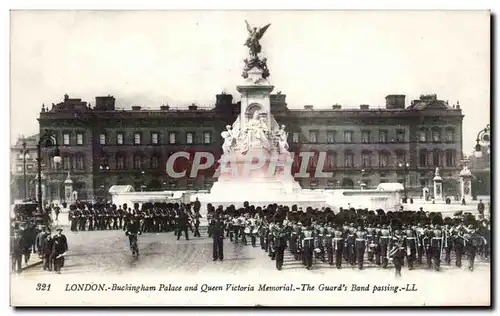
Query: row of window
426,159
138,138
383,136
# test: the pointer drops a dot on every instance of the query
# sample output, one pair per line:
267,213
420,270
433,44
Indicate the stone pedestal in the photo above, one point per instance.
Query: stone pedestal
68,190
465,184
438,188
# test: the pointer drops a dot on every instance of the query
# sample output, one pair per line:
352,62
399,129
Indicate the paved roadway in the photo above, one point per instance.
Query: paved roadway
104,257
108,252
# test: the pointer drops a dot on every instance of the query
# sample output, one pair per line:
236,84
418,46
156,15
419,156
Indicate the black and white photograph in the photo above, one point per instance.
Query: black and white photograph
250,158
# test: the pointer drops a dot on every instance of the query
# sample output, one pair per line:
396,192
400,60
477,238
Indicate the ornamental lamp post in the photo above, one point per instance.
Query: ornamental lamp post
483,139
47,140
25,155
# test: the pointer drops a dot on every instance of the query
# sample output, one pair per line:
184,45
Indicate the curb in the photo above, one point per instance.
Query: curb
31,265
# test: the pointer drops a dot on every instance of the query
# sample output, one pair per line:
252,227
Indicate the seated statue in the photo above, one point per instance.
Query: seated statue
255,135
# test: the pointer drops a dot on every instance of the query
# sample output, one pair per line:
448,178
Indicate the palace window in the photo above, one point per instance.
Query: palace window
102,139
366,160
331,159
330,137
137,138
450,158
80,164
155,139
119,138
384,160
65,138
348,137
66,161
436,135
349,160
450,135
436,158
382,136
189,138
154,162
400,135
313,136
79,138
137,162
120,162
422,135
207,137
172,138
423,158
295,137
365,137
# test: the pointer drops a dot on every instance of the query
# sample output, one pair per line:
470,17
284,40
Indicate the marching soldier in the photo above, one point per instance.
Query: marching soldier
385,240
84,215
91,217
397,246
459,243
448,240
360,245
437,242
197,217
279,243
328,237
350,245
338,245
411,246
308,245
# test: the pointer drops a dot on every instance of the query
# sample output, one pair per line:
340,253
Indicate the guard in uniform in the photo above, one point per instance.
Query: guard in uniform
279,240
385,239
448,240
459,243
437,242
338,244
308,246
397,252
350,245
411,246
360,245
328,238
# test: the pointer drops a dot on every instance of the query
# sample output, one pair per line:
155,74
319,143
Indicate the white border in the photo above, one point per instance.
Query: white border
6,5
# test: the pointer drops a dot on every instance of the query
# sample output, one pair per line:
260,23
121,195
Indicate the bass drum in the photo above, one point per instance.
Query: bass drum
247,230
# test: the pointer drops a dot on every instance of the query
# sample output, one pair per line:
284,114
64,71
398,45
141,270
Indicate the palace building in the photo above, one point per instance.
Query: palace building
104,145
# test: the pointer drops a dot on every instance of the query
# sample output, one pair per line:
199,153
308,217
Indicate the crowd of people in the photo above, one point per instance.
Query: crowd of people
346,236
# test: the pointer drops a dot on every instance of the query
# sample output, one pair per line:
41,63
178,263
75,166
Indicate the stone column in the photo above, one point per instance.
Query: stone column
68,190
465,184
438,188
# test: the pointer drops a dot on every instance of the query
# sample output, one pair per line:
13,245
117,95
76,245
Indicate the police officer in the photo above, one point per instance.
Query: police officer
217,233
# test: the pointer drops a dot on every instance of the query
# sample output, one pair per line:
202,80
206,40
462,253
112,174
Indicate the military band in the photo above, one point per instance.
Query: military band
354,237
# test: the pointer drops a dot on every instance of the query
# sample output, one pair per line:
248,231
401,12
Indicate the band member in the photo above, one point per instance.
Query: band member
397,251
411,246
350,245
448,240
437,242
217,233
385,239
279,243
328,237
182,224
360,245
338,245
308,245
459,243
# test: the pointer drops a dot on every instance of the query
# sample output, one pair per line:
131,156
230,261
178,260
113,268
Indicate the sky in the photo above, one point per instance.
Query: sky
321,58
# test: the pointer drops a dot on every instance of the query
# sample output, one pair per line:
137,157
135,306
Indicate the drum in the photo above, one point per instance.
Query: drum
247,230
255,230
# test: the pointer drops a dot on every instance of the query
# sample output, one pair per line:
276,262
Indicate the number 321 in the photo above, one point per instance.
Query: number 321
42,287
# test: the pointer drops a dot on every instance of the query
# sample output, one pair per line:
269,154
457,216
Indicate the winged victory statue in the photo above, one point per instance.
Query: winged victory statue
254,35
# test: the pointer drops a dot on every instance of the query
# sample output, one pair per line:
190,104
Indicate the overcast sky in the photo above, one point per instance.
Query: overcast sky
315,57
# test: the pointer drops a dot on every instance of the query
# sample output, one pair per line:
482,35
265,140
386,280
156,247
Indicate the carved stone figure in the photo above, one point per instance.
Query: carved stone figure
283,139
228,139
255,134
437,172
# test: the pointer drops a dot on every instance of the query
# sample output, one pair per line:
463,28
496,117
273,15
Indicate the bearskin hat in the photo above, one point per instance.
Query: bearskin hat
380,212
447,221
396,224
437,220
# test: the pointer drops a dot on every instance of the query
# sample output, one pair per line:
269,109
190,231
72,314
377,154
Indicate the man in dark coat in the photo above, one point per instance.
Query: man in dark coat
46,251
182,224
16,251
59,248
217,232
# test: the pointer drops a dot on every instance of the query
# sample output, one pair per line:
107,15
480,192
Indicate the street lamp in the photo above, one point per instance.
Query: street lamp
362,182
47,140
483,139
143,186
25,155
406,169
